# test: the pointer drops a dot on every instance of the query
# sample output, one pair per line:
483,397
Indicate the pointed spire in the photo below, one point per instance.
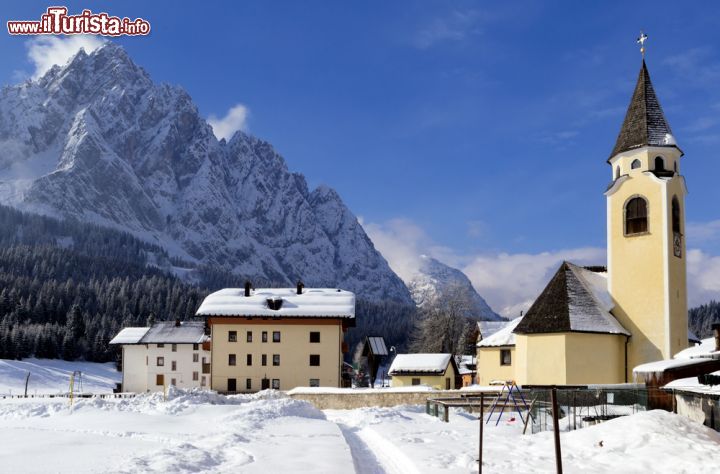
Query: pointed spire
644,123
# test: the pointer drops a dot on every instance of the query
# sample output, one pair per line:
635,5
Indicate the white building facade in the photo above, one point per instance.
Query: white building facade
168,353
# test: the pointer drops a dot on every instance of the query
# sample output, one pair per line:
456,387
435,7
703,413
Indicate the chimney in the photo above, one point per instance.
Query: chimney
716,332
274,303
300,286
177,322
248,285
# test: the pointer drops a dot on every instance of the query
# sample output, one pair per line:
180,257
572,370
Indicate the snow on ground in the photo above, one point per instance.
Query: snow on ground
193,431
406,440
201,431
52,376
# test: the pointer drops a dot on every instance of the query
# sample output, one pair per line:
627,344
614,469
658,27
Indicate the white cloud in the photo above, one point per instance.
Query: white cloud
511,282
46,51
236,119
703,272
401,242
702,231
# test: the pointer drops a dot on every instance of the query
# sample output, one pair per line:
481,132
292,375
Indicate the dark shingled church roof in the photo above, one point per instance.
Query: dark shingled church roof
644,123
575,300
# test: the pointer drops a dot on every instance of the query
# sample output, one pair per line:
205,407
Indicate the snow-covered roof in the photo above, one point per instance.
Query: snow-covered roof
575,300
165,332
129,336
419,363
188,332
706,348
466,364
488,328
691,384
503,337
313,302
660,366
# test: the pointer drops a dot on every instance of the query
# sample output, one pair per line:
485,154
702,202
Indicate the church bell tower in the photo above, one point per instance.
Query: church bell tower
646,231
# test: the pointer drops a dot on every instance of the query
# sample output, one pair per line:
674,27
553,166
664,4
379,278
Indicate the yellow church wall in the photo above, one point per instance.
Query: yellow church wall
594,358
489,367
540,359
642,270
569,358
438,382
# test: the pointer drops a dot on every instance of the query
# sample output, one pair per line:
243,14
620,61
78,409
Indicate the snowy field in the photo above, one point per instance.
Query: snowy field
51,376
270,432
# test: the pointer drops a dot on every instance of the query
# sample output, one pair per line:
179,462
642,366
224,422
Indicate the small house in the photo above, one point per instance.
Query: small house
167,353
438,371
495,355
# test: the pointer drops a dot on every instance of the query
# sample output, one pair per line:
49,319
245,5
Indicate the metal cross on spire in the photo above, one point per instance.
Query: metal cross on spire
641,41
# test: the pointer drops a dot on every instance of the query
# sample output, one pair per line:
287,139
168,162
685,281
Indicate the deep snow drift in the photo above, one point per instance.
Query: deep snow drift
196,431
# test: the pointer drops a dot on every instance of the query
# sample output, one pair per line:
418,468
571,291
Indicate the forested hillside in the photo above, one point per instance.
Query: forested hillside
702,317
67,287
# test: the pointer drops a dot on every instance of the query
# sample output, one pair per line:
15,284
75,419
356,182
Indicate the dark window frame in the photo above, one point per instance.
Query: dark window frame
232,336
314,360
314,337
636,216
248,360
248,336
505,361
278,338
276,360
232,359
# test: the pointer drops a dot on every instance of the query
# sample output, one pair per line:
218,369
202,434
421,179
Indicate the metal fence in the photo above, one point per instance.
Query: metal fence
578,407
581,407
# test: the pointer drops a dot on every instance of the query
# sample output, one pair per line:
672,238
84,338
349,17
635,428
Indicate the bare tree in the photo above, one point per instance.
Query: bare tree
443,323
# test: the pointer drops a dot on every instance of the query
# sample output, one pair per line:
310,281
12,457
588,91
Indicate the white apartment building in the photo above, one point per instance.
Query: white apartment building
168,353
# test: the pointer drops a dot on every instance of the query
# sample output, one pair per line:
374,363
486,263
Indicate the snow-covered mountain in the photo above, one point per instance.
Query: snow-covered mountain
436,280
98,140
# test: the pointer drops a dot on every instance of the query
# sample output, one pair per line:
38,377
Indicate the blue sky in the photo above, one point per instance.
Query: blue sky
473,131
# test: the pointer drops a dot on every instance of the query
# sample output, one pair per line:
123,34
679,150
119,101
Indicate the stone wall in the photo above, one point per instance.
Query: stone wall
359,399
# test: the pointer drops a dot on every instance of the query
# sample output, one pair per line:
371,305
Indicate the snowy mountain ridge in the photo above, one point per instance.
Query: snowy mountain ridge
436,280
97,140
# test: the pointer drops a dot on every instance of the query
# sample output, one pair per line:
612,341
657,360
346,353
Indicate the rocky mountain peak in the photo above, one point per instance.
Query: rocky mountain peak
97,140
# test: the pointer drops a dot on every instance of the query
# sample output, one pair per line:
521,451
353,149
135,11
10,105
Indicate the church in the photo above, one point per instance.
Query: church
594,324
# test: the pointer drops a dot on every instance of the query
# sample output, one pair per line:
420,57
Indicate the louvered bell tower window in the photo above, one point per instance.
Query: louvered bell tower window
636,220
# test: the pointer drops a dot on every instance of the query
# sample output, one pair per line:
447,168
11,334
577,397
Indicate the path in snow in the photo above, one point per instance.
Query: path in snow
374,455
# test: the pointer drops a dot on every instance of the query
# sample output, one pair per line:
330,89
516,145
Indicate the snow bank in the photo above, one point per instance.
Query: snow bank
407,440
191,431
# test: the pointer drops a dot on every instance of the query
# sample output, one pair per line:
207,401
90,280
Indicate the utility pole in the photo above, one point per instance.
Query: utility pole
556,430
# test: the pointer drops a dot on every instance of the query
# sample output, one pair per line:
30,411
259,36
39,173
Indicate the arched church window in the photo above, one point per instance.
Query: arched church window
659,163
675,215
636,219
635,164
